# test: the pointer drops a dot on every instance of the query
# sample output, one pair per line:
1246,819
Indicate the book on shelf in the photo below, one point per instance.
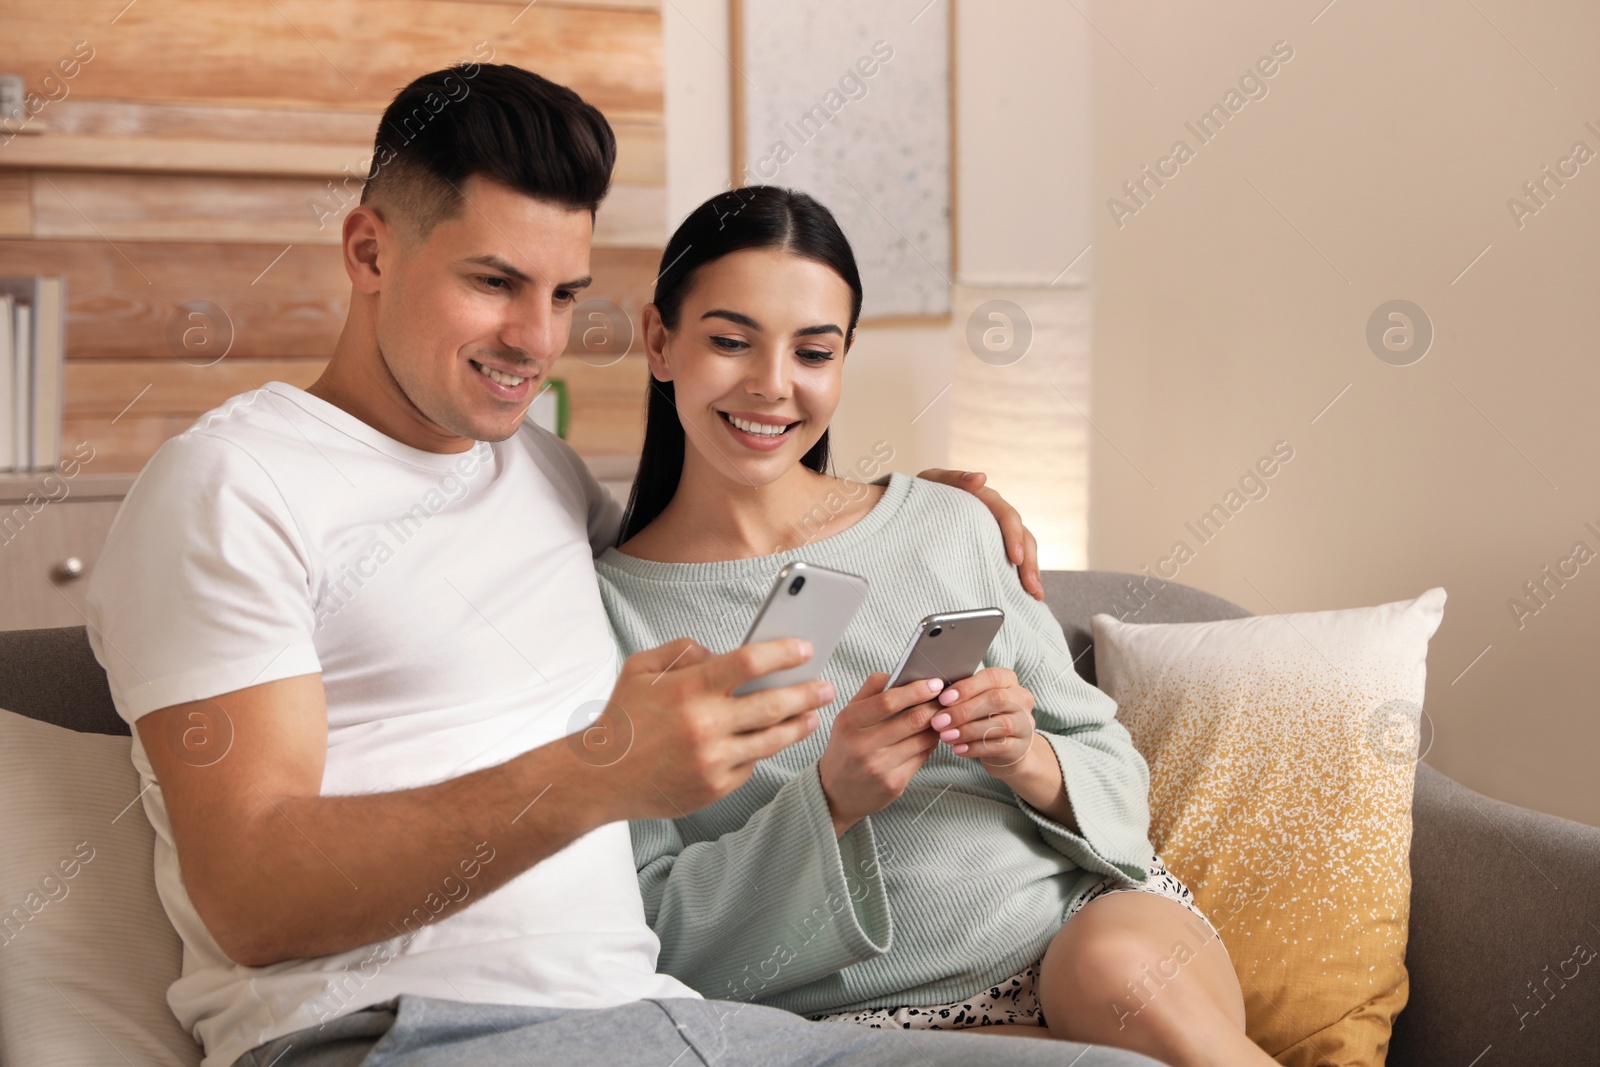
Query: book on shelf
33,349
8,386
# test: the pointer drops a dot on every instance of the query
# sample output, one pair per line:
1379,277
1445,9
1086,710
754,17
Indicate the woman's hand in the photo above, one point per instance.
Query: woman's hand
1021,548
878,742
989,718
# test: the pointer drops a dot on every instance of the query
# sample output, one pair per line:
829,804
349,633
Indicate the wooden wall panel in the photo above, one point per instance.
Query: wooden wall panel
180,207
16,204
607,413
126,408
119,304
641,152
146,388
183,164
119,299
124,445
201,139
79,115
333,53
197,155
632,216
272,210
637,5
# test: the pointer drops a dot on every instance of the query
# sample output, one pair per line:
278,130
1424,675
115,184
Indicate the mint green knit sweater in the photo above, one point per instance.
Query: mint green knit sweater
952,887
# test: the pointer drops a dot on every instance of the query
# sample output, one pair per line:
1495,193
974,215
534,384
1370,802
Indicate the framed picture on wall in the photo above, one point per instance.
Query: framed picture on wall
852,104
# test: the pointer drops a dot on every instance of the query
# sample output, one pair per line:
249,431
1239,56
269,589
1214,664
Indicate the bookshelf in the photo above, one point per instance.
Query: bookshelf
33,324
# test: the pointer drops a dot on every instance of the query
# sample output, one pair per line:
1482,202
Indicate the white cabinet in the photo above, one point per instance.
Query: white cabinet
51,531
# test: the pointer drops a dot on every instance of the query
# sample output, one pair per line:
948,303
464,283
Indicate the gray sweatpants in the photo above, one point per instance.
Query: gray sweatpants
412,1031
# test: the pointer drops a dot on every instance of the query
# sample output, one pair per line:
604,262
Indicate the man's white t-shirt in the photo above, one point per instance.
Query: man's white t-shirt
449,603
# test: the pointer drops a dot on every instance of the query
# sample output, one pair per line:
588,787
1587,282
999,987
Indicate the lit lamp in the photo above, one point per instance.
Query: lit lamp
1020,404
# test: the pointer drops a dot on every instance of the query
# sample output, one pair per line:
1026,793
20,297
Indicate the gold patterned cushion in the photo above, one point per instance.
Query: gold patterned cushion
1282,754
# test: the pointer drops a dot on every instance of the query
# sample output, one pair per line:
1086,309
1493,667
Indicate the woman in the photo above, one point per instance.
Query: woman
923,861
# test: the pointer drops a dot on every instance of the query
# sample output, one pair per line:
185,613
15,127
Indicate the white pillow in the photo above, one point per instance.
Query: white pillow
86,950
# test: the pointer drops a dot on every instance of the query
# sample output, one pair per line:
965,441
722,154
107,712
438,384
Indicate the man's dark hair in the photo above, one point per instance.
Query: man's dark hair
494,120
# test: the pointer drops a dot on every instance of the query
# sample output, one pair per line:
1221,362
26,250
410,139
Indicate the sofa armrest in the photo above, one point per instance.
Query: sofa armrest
1505,909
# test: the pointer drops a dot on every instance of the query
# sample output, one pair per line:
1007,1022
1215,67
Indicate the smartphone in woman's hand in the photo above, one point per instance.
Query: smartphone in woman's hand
948,646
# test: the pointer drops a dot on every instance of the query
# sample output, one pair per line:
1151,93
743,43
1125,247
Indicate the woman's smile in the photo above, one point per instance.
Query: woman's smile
763,433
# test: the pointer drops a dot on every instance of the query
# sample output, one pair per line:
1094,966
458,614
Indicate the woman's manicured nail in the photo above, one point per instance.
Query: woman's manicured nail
960,750
940,721
935,684
950,735
948,697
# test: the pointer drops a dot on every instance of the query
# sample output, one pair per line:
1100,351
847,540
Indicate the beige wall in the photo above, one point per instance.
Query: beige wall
699,131
1022,216
1232,308
1024,227
892,372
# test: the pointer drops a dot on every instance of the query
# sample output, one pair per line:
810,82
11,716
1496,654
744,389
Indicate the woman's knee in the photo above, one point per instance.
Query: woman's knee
1090,975
1089,956
1119,957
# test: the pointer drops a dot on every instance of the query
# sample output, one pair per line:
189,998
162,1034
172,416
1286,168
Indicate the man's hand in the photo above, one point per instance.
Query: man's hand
879,740
691,742
1021,548
276,870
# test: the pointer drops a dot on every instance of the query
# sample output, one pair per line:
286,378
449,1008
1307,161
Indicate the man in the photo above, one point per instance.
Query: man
355,628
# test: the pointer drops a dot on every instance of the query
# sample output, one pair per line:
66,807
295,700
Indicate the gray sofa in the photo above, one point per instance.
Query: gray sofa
1500,895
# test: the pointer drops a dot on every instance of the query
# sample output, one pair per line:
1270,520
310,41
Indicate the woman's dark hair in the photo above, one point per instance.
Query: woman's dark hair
493,120
757,216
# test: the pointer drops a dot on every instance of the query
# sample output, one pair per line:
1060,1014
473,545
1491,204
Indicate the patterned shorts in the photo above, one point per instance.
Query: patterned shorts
1014,999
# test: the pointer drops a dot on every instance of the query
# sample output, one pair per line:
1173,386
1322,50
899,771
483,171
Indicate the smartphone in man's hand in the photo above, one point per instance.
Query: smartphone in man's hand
810,602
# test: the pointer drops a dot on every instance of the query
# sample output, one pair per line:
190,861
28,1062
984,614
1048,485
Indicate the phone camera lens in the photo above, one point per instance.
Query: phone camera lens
936,631
794,586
